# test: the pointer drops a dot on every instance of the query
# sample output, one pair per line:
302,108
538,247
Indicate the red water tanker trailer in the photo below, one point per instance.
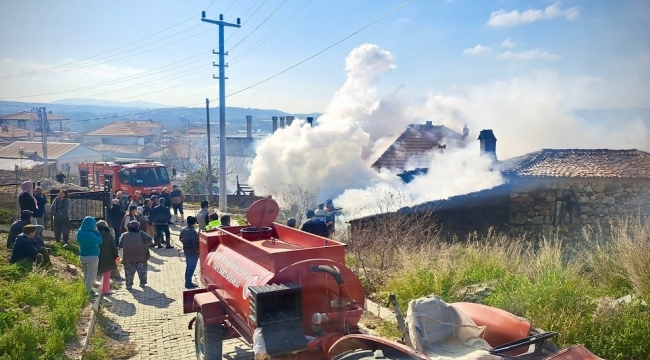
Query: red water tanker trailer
289,295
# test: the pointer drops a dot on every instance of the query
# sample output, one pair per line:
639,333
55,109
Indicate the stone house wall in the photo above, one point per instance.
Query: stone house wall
569,204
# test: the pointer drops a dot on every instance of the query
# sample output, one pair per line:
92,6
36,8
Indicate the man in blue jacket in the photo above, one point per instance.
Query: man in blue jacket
25,247
89,239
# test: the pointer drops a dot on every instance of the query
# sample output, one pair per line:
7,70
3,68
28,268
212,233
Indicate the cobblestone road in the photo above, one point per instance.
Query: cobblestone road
153,318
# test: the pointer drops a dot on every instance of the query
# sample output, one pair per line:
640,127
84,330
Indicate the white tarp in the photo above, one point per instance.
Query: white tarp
442,332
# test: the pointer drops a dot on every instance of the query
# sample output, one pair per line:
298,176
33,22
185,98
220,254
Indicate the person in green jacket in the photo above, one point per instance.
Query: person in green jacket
89,240
214,222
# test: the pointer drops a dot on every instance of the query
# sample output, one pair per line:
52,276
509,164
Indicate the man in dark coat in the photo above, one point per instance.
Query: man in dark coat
17,227
190,239
25,247
160,217
315,226
107,256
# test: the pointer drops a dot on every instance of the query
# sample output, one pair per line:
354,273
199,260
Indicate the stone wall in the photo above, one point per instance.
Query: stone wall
534,202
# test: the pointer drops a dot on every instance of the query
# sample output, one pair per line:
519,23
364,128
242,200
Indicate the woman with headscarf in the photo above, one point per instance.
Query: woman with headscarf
25,199
119,196
89,239
128,217
134,255
61,215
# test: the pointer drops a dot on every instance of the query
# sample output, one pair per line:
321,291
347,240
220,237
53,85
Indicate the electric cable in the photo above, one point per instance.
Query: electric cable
260,24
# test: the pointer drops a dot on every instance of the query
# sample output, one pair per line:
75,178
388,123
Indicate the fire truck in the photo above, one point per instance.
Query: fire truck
128,176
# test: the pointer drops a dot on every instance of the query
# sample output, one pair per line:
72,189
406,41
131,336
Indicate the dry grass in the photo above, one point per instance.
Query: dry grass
557,288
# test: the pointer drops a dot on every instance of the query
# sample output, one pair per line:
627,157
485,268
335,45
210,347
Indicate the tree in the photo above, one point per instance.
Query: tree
295,200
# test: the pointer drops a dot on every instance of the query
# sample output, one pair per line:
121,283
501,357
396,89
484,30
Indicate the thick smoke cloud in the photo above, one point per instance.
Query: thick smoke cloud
526,113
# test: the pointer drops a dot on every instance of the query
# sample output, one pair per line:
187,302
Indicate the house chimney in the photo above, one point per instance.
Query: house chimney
249,126
465,131
290,120
282,122
310,120
429,123
275,122
488,143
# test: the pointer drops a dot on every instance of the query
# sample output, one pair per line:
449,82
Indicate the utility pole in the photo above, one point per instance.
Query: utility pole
223,201
208,196
42,116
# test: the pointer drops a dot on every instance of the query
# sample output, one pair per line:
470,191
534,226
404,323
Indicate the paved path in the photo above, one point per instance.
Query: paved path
153,318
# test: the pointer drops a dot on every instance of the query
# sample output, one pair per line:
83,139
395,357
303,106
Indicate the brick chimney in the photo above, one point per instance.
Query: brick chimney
310,120
465,131
281,122
290,120
275,123
488,143
249,126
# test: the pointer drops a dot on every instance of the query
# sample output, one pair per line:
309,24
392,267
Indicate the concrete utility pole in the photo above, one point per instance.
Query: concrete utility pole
208,196
42,116
223,203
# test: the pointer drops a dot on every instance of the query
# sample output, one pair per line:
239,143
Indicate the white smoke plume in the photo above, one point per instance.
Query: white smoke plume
526,113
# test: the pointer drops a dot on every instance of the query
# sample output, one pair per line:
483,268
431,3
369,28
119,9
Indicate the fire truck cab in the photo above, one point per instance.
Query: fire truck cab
128,176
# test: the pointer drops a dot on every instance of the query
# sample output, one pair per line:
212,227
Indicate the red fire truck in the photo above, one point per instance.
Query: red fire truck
128,176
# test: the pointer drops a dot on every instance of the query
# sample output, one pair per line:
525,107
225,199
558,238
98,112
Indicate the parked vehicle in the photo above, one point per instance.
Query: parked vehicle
128,176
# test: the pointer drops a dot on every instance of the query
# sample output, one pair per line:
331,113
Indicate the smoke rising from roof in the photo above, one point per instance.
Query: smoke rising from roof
526,113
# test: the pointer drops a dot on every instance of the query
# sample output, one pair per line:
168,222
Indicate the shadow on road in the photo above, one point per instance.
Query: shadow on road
149,296
117,306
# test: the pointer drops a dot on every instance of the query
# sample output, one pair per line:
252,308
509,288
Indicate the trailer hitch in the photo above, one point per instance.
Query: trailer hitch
392,299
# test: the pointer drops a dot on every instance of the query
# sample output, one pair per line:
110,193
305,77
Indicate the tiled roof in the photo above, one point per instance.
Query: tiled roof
54,149
416,141
195,131
146,123
125,149
121,128
581,163
27,115
14,132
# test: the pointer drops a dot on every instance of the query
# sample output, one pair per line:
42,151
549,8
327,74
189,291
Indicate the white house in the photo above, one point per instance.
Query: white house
124,133
66,155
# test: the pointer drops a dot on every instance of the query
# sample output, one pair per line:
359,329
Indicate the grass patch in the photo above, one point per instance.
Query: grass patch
38,310
556,288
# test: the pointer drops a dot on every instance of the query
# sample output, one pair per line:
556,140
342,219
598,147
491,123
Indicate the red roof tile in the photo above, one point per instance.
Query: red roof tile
121,128
27,115
417,140
14,132
581,163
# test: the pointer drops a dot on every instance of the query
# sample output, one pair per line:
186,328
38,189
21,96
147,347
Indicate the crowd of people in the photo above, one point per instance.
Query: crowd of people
320,221
134,224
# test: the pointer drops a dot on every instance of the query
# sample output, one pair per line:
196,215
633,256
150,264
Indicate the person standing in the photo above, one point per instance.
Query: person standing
134,255
190,239
39,214
314,226
25,199
61,215
115,216
89,239
108,256
177,197
128,217
60,177
165,195
160,217
202,215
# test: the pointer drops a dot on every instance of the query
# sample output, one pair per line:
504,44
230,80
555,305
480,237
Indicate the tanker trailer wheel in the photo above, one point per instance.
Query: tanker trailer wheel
360,354
207,340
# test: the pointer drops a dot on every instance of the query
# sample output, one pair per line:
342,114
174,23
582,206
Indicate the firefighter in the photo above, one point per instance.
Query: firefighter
314,226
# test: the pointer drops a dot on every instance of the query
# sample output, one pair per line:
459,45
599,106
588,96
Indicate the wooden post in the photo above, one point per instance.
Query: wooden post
16,190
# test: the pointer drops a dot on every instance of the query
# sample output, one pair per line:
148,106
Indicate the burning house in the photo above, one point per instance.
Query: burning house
546,190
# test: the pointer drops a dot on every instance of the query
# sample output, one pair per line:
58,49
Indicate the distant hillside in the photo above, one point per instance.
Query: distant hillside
139,104
90,116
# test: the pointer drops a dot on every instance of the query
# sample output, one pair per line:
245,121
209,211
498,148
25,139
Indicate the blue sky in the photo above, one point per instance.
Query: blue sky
439,46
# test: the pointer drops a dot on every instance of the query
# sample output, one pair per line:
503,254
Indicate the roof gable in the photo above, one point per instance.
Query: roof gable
121,128
14,132
580,163
54,149
28,115
416,141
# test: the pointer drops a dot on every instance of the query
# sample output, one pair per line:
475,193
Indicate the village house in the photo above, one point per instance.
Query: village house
66,156
125,132
9,134
412,149
550,190
29,120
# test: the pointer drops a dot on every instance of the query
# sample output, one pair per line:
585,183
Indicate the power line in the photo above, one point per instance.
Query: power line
265,80
167,88
258,26
322,51
203,57
42,71
273,32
